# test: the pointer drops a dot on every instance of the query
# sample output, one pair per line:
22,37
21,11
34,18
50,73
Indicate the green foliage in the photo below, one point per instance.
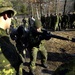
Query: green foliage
23,9
20,7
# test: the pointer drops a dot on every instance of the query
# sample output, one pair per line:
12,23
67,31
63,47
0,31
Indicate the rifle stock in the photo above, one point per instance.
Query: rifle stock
50,35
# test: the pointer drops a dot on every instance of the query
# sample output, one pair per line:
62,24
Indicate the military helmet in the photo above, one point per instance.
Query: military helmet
6,6
37,23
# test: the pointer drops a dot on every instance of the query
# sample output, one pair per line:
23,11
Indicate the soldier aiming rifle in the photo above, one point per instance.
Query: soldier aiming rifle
33,41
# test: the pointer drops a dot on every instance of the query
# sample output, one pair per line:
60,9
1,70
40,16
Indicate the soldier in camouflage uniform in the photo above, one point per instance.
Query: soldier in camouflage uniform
36,45
10,60
24,21
14,22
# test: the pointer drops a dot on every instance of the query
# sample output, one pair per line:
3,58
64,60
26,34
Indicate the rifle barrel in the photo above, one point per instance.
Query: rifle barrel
59,37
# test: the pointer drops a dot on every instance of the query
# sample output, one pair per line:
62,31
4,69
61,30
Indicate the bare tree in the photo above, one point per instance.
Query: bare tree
65,7
74,5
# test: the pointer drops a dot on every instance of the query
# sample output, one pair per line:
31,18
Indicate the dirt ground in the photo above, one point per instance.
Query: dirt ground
59,52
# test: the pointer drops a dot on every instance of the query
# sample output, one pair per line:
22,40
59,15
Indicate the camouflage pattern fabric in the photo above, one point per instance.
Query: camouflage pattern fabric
10,59
36,45
34,53
5,6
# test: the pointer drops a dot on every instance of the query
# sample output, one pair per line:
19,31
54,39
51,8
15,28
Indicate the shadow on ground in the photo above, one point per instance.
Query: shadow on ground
52,57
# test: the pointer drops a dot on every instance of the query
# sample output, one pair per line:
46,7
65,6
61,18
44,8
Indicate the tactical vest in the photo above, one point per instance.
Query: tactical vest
34,38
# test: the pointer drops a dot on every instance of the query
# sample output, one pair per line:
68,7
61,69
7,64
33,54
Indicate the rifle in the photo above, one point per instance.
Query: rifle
47,35
44,34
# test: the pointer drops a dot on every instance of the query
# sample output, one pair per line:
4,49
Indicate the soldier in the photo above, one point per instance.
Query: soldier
47,21
24,21
58,22
54,21
35,45
31,21
43,20
14,22
8,54
64,22
51,21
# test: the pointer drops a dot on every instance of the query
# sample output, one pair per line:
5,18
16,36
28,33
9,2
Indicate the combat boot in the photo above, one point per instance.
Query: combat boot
44,65
32,72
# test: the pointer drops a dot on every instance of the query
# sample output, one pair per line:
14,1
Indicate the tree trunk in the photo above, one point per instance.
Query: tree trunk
65,7
74,5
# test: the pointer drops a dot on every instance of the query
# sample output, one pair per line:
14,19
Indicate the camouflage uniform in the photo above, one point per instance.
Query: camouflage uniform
8,54
24,21
14,22
36,45
10,60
